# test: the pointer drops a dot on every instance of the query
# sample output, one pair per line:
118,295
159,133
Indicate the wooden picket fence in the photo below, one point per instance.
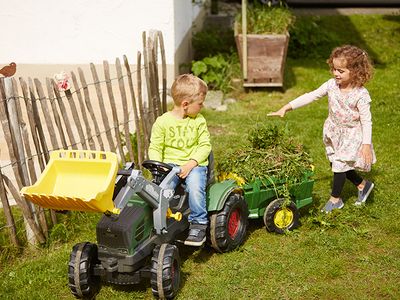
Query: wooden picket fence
37,118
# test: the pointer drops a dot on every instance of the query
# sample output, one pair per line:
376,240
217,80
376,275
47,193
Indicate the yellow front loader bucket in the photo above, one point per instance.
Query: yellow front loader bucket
76,180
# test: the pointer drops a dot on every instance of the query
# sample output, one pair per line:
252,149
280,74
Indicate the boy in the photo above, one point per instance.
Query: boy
180,137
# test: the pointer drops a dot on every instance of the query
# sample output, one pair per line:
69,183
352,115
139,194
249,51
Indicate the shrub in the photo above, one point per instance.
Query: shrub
213,41
217,71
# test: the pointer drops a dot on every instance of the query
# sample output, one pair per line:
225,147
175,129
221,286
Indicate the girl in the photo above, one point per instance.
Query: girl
347,131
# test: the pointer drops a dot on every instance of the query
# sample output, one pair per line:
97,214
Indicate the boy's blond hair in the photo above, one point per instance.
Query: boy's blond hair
188,87
357,61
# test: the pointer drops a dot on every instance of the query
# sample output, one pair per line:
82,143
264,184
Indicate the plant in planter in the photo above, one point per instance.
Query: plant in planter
262,38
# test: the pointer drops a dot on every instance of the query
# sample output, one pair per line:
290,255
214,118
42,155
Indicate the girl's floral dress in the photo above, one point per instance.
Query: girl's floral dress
347,127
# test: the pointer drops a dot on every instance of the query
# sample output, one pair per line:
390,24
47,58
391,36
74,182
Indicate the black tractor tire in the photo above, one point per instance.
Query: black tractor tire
228,227
82,282
280,218
165,271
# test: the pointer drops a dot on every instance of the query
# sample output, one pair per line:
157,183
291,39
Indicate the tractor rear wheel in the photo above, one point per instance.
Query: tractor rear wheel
228,227
82,282
165,271
279,217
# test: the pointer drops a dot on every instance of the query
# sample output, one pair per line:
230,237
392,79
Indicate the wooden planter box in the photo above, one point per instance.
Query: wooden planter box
266,57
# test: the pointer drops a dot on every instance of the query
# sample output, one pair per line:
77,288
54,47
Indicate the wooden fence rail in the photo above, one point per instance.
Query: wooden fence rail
86,116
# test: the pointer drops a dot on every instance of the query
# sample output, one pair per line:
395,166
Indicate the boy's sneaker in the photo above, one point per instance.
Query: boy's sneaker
197,235
364,193
329,206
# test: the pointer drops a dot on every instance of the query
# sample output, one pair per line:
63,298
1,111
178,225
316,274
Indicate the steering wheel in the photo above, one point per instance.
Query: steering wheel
158,169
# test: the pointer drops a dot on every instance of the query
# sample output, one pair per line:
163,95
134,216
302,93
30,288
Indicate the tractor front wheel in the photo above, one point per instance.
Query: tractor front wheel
279,217
228,227
165,271
82,282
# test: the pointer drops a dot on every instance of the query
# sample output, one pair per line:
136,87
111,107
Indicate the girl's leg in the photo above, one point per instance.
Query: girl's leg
356,179
338,184
335,202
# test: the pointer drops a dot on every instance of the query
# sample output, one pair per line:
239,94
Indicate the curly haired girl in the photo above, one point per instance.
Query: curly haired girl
347,132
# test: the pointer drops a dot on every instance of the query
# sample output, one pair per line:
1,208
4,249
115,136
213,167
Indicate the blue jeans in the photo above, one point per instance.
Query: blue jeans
196,188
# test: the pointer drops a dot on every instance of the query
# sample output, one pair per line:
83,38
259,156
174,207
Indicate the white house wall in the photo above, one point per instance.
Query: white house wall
46,32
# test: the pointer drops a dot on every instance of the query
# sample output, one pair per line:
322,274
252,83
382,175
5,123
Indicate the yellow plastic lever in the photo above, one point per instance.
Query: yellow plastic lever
177,216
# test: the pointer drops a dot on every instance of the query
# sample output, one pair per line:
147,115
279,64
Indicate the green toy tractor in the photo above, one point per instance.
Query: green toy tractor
143,221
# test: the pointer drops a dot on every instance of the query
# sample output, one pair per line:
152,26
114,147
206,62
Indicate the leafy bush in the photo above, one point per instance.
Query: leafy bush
308,39
217,71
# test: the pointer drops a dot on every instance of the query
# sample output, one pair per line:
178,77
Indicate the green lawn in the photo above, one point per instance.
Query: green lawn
350,254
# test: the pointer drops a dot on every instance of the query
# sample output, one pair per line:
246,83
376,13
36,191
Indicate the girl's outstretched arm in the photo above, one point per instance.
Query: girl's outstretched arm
281,112
302,100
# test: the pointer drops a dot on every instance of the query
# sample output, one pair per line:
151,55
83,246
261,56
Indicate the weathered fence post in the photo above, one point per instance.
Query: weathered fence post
8,213
104,116
90,108
83,112
135,112
115,116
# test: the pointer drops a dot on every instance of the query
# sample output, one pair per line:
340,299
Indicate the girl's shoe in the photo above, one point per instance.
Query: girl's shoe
364,193
329,206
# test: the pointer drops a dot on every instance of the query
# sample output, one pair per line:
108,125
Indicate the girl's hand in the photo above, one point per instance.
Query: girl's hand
186,168
366,153
281,113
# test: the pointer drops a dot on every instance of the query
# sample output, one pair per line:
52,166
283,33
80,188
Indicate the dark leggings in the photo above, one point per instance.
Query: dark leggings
340,178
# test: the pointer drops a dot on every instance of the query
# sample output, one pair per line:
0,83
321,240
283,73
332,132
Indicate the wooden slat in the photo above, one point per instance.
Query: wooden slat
83,112
7,132
8,213
114,112
39,211
3,194
46,114
143,117
152,78
102,107
25,210
31,119
147,78
154,72
164,72
38,123
19,137
29,156
135,112
63,111
56,115
42,138
14,139
75,116
125,110
90,108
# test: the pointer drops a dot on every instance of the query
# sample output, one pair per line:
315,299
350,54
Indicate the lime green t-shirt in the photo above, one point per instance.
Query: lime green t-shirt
177,141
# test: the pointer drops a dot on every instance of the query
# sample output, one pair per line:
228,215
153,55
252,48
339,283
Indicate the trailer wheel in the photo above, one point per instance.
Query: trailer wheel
165,271
228,227
82,282
279,218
